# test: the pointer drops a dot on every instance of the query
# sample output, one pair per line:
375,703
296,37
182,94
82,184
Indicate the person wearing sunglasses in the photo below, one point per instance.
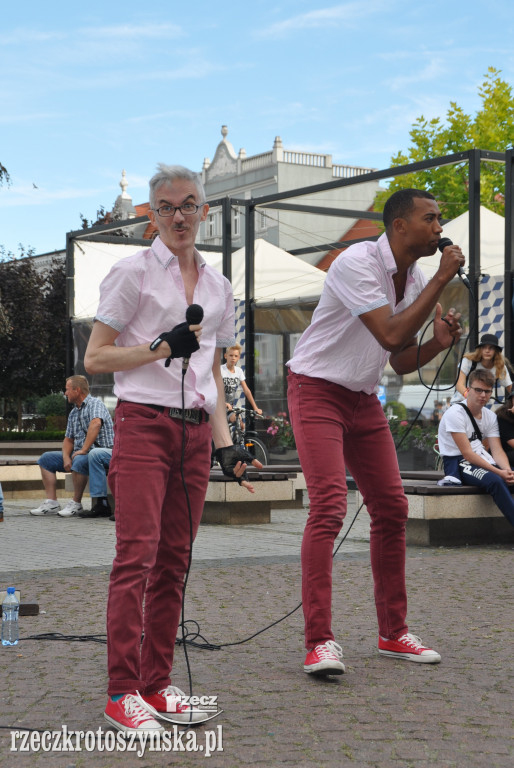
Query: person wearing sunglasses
462,431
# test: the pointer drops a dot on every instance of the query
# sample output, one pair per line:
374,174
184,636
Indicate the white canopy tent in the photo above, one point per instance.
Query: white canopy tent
492,242
279,277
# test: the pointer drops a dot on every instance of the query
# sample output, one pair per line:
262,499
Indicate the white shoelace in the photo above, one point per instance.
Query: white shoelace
411,640
136,709
172,690
329,649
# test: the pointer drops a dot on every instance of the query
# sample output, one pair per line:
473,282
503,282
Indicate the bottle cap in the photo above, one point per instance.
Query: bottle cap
11,590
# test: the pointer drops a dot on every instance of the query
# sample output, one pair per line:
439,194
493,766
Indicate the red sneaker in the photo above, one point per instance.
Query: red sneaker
408,647
171,704
131,715
323,659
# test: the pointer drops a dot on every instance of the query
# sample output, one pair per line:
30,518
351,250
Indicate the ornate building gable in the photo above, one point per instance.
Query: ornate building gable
225,159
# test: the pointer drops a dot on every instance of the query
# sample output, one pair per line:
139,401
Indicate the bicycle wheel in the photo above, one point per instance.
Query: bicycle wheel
257,448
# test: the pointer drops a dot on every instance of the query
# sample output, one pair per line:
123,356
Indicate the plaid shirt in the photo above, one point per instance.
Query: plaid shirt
80,418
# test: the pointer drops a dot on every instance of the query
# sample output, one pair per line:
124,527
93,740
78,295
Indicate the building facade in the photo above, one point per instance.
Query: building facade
281,170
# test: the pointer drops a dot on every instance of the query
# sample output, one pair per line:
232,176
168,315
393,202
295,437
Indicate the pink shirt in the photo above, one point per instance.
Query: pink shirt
144,295
337,346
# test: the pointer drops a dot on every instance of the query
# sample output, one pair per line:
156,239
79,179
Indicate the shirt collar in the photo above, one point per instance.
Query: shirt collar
86,400
388,259
164,256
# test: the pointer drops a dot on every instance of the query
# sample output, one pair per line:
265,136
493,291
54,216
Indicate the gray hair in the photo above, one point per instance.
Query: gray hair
167,174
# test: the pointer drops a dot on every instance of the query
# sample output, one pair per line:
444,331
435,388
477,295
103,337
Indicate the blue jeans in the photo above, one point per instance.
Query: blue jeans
99,460
1,499
493,484
52,461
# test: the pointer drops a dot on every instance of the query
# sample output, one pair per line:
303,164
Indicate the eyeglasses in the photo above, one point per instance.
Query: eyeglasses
482,391
187,209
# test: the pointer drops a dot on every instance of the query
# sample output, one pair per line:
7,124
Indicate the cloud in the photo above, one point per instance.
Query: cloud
22,36
114,33
29,117
24,194
134,31
433,71
323,17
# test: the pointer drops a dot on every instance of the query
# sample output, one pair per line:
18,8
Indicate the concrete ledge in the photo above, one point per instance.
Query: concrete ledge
226,503
459,515
236,513
23,481
459,531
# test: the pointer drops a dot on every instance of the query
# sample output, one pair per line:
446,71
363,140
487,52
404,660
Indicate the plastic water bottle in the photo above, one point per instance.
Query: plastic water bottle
10,611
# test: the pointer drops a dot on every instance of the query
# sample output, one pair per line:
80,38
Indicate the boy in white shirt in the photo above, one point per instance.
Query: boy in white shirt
233,376
461,431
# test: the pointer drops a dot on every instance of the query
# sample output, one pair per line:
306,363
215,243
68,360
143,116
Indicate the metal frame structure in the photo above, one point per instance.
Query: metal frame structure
473,158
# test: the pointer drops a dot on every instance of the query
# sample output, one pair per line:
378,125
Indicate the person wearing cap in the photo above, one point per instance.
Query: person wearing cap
487,356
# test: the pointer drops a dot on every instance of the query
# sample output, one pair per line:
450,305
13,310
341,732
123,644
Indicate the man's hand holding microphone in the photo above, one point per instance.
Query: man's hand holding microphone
183,338
182,341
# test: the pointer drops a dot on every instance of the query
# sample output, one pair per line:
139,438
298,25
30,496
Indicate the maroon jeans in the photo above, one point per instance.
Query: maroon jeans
335,427
153,535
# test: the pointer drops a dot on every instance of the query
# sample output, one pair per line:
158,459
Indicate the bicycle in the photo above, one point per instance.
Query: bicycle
247,438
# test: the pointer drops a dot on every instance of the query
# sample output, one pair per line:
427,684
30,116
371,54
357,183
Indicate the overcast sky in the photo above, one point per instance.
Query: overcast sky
89,89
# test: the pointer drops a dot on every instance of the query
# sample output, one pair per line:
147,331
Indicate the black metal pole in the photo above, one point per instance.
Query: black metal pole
508,287
474,241
226,214
250,295
70,304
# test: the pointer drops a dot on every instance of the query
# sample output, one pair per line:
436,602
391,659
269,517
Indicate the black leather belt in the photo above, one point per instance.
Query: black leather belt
192,415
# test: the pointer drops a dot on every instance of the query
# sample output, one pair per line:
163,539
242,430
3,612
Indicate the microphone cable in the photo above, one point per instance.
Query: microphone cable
190,555
190,629
431,387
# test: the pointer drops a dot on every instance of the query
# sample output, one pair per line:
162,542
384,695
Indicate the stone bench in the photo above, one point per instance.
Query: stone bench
227,503
450,515
21,478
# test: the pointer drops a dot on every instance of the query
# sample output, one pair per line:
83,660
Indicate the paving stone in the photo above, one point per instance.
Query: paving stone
382,712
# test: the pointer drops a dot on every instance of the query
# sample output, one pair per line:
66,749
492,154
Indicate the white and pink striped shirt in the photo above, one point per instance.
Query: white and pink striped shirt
144,295
337,346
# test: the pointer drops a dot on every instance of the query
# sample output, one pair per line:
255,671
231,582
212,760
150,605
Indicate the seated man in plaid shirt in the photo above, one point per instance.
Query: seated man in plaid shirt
89,429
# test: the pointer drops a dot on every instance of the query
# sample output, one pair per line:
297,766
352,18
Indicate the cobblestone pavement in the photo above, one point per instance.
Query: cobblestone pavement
382,712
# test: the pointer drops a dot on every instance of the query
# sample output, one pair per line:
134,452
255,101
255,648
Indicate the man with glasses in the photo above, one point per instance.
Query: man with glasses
462,429
167,415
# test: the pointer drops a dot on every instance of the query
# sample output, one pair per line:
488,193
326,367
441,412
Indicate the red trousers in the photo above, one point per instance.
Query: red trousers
335,428
153,533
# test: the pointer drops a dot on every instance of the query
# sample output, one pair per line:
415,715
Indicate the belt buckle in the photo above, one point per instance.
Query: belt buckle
192,416
189,414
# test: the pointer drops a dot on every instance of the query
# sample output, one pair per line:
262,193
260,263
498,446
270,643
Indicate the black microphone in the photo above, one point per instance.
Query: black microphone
443,242
194,316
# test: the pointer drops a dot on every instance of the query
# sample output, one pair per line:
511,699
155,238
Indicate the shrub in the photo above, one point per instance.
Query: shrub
52,405
47,434
394,408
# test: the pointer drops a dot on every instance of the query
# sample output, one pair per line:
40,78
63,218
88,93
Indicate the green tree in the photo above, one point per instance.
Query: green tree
32,339
492,128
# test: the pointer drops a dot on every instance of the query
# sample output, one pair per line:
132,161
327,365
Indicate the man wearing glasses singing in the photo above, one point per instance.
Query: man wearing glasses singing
461,431
168,413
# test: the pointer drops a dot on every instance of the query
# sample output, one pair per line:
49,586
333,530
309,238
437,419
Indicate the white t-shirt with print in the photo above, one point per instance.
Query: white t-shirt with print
456,419
231,381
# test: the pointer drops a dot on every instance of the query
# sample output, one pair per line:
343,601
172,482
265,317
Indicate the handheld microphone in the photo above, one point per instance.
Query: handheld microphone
194,316
443,242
